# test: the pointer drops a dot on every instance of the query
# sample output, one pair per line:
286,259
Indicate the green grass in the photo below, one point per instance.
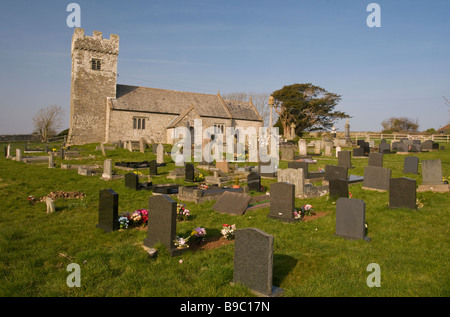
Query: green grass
411,246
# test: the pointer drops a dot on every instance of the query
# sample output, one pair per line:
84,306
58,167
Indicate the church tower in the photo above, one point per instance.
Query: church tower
94,80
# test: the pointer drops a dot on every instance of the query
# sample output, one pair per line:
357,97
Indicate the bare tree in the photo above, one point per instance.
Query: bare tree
259,100
48,120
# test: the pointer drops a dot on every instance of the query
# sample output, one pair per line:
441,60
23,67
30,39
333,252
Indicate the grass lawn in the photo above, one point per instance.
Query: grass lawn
411,247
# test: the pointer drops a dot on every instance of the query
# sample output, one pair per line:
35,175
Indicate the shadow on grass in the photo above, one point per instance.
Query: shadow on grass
282,266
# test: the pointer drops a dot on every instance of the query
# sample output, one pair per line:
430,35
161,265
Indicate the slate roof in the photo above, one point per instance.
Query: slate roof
154,100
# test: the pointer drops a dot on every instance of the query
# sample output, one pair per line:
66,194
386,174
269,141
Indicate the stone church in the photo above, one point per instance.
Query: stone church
103,111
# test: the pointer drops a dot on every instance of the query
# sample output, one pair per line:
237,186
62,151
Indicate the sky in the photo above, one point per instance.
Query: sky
399,69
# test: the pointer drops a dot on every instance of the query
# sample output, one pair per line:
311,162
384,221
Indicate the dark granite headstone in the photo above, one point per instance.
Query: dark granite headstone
376,159
282,201
376,178
351,218
335,172
428,145
253,261
402,193
132,181
384,148
153,167
431,172
189,172
358,151
411,165
338,188
108,210
254,181
162,219
232,203
345,159
402,147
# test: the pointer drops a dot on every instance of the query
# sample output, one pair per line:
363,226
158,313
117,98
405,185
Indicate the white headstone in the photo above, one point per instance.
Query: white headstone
18,155
302,148
160,154
51,161
107,169
50,205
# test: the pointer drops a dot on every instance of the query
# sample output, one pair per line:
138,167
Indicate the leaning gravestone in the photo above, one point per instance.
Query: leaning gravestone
282,201
351,218
232,203
254,181
402,193
376,178
345,159
162,219
376,159
411,165
431,172
338,188
108,210
253,261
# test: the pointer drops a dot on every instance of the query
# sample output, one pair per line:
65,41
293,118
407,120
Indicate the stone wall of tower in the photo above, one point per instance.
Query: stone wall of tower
91,87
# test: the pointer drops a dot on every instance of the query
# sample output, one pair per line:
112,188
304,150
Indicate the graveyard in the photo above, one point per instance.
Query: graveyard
367,206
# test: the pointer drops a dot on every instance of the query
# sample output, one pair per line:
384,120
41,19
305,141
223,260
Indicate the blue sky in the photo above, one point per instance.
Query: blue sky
399,69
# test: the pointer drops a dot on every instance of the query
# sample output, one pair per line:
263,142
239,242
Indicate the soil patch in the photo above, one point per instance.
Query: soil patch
314,215
210,243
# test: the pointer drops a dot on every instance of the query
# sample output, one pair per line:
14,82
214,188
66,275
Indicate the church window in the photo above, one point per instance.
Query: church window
138,123
96,64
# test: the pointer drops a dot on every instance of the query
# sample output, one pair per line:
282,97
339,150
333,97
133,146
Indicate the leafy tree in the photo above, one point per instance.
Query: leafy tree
309,107
401,124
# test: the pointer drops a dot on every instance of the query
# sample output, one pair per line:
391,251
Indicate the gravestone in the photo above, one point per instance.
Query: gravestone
18,155
153,167
335,172
338,188
160,153
351,218
358,151
282,201
107,169
431,172
376,159
51,161
295,177
108,210
267,169
232,203
102,147
402,147
50,205
338,149
328,148
302,147
287,153
384,148
376,178
223,166
411,165
253,261
317,146
162,217
254,181
345,159
132,181
189,172
402,193
8,151
142,145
